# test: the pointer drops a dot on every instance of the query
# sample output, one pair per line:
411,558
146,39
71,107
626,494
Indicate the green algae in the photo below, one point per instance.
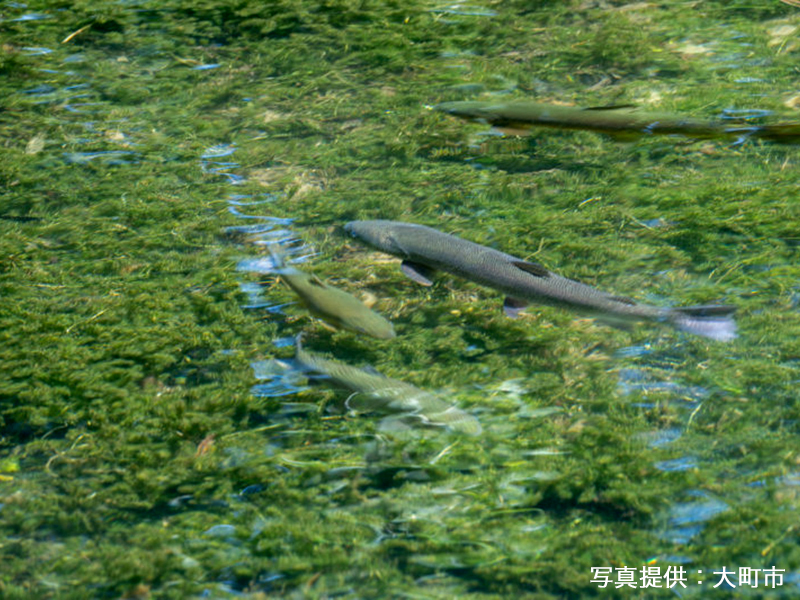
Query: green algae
124,344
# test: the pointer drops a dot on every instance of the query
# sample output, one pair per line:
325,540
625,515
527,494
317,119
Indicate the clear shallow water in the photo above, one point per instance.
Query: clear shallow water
155,437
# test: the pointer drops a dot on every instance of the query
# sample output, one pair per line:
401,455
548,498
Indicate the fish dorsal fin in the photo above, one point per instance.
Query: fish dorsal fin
532,268
420,273
623,300
613,107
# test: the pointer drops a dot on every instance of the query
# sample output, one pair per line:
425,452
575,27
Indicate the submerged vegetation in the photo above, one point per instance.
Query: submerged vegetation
150,153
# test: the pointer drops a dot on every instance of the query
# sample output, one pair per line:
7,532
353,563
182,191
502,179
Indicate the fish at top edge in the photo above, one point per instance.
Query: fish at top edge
621,122
425,250
373,392
332,305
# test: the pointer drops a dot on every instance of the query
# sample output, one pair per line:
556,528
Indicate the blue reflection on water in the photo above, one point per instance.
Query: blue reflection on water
280,379
31,17
687,519
284,342
277,220
676,464
31,51
223,531
219,151
661,437
40,90
258,264
636,380
109,157
745,113
462,9
634,351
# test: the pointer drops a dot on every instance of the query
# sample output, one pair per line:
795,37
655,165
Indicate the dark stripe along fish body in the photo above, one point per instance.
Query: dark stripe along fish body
424,250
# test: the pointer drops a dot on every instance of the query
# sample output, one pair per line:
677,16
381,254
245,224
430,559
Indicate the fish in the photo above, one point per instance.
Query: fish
425,250
623,122
779,133
374,392
334,306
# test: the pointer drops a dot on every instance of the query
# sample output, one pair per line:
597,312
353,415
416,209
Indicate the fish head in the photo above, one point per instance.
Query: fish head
371,324
468,109
378,234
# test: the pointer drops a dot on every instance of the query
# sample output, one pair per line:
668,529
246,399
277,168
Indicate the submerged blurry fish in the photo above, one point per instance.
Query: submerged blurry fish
621,122
373,392
780,133
332,305
425,250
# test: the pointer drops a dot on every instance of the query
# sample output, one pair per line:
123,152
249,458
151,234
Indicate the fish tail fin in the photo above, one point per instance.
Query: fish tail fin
711,320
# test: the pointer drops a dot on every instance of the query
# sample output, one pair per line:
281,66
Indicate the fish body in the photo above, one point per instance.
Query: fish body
621,122
425,250
373,392
780,133
332,305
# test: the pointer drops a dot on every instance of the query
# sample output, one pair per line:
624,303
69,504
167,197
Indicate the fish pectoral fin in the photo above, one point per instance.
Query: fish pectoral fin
327,322
420,273
513,306
357,402
314,280
532,268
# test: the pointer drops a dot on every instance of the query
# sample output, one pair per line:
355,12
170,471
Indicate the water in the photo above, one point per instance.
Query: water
155,437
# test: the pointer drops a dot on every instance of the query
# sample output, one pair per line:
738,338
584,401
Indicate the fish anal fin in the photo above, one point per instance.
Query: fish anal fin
420,273
532,268
513,306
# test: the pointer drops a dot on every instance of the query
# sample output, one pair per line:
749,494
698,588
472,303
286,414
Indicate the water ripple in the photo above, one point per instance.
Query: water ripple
219,151
687,519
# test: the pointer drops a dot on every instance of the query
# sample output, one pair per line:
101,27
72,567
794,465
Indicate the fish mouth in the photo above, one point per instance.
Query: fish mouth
364,230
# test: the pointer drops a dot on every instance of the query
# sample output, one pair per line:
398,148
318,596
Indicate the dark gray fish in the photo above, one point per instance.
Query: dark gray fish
425,250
